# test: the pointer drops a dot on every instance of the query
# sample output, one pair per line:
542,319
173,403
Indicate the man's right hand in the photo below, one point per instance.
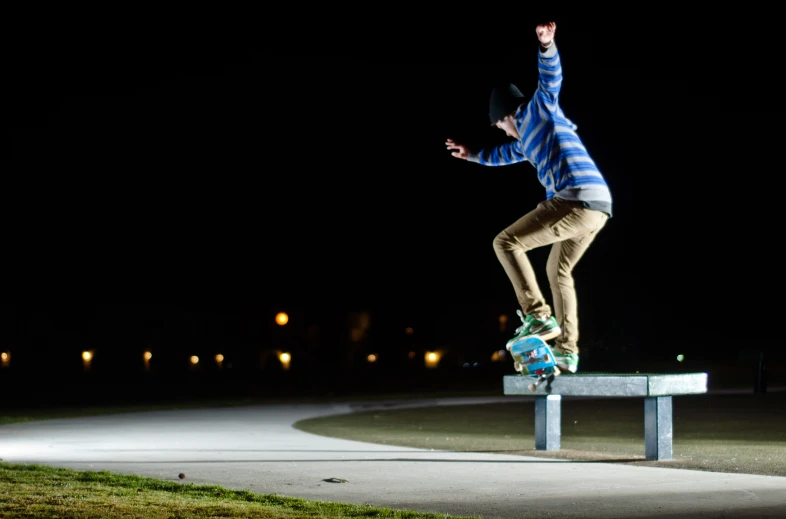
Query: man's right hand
545,33
461,151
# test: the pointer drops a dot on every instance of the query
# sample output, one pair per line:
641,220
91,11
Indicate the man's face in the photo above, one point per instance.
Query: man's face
508,126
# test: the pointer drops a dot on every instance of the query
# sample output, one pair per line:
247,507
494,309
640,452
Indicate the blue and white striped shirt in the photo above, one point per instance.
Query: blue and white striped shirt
548,140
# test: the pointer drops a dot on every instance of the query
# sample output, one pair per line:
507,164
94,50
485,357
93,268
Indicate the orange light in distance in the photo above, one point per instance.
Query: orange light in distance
433,358
285,359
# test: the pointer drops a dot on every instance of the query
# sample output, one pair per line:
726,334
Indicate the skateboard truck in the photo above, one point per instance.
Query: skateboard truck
541,379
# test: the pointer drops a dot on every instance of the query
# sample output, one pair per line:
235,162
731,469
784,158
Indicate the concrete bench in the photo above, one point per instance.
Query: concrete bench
657,390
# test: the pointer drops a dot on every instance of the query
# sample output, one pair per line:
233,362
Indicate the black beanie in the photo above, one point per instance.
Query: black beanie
505,99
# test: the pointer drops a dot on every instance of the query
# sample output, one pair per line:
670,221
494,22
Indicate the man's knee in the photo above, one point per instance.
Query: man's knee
561,279
502,242
559,273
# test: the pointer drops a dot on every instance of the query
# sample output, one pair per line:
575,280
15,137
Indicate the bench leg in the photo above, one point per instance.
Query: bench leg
548,418
658,431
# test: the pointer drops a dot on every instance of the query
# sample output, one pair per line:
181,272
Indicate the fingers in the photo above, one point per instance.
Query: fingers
461,152
546,27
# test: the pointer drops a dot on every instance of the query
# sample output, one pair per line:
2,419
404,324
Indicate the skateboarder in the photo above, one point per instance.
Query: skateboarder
577,204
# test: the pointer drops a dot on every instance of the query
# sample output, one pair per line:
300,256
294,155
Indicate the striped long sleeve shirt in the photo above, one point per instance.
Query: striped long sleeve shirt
548,140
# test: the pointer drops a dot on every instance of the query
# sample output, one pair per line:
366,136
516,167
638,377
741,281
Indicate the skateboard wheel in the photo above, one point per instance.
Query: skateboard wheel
532,387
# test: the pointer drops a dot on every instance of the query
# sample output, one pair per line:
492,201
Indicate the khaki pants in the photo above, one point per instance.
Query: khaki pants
570,228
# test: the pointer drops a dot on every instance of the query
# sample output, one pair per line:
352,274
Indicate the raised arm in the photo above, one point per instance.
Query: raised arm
549,66
550,71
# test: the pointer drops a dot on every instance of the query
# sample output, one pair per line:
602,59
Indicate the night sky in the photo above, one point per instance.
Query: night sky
225,182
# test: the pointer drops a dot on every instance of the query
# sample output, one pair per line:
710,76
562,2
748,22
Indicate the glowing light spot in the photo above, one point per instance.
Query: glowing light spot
285,359
498,356
503,322
194,359
282,318
433,358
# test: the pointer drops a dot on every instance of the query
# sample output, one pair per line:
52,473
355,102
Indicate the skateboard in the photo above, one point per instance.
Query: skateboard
533,357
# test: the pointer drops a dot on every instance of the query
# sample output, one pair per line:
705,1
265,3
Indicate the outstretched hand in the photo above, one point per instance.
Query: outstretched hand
461,151
545,33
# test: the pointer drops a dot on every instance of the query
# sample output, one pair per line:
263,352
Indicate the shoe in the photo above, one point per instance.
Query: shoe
566,361
525,320
546,329
531,326
521,331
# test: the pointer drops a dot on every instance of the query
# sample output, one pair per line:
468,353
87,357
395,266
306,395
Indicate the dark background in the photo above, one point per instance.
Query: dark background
179,195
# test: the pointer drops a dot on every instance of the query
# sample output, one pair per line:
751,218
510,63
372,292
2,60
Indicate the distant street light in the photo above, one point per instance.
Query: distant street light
498,356
282,318
433,358
87,359
285,359
503,322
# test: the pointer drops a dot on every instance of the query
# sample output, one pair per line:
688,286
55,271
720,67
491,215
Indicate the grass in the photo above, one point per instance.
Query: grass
744,433
35,491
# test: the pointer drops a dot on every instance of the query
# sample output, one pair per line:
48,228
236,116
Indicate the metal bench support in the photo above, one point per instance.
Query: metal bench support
658,428
548,422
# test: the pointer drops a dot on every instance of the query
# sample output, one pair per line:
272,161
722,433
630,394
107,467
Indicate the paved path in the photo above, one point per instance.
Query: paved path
255,448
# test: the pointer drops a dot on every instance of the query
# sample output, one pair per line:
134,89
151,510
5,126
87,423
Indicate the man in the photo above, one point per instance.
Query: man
577,205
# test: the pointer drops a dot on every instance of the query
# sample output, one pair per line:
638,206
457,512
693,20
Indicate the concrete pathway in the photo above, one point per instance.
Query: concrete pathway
256,448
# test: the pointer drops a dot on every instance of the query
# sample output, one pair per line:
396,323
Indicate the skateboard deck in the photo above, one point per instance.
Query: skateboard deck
532,357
